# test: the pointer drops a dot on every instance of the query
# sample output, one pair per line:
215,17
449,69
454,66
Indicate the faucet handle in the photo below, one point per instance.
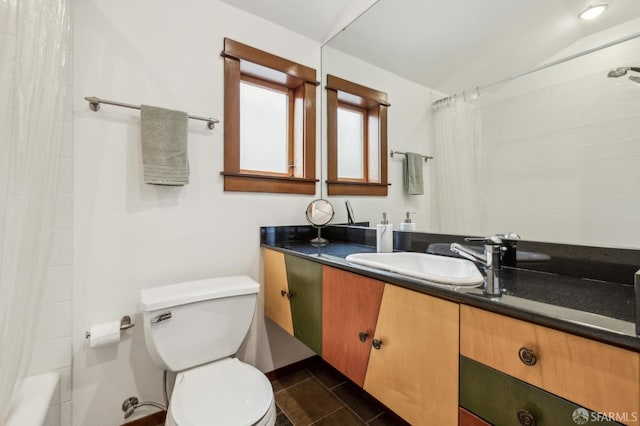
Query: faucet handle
497,239
511,236
492,240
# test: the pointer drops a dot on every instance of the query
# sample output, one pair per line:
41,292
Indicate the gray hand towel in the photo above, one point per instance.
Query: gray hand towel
164,146
413,182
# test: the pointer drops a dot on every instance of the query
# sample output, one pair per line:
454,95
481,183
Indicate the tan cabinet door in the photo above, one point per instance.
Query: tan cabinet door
415,370
276,290
350,305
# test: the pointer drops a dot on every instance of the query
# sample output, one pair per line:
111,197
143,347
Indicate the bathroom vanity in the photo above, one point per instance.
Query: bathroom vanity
444,355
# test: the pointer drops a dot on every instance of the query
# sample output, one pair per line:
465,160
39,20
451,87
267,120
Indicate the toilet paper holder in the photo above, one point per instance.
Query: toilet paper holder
125,324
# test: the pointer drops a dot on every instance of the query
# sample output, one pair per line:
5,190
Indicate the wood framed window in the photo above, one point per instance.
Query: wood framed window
269,122
356,139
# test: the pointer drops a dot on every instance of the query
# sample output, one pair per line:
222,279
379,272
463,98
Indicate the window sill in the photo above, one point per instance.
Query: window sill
244,182
357,188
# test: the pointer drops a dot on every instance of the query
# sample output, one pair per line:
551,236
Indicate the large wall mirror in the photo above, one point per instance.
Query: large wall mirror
552,154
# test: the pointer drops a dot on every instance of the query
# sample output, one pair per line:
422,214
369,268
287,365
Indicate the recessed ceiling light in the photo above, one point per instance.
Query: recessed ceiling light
593,11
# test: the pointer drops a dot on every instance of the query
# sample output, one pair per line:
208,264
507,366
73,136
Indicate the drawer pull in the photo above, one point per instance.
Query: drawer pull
526,418
527,356
376,343
363,336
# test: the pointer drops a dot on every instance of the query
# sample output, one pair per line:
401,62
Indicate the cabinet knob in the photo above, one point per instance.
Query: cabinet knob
284,293
527,356
526,418
363,336
376,343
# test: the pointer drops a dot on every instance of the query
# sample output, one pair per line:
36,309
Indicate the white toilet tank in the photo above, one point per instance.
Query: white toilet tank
197,322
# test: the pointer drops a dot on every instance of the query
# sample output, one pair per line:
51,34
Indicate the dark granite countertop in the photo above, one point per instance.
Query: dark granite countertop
591,308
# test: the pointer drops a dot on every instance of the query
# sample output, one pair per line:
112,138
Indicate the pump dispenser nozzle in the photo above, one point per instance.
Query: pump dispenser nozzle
408,225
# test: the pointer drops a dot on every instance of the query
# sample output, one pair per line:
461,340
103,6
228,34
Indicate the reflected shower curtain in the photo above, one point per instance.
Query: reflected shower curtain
34,58
458,170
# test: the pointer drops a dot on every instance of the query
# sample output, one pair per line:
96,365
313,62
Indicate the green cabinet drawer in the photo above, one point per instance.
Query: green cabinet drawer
503,400
305,286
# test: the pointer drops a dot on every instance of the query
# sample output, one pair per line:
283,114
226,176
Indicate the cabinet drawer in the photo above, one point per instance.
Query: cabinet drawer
597,376
503,400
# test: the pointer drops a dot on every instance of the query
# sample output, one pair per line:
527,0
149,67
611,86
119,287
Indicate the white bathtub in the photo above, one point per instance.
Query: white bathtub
29,407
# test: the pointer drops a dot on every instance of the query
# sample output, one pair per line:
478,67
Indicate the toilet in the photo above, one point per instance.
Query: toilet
195,328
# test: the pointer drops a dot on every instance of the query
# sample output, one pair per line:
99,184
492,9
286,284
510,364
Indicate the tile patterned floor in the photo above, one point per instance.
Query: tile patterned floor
317,394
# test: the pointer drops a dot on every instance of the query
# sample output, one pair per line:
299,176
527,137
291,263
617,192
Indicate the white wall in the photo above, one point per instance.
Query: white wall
562,150
409,130
128,235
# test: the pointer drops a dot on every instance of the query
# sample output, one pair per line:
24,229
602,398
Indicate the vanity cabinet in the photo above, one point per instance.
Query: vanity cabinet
414,368
436,362
293,296
350,305
593,375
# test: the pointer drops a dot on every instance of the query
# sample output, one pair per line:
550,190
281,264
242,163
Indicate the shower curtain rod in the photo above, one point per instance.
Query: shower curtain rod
539,68
94,104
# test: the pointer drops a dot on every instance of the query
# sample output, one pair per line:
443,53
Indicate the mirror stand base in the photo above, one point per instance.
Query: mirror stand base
319,242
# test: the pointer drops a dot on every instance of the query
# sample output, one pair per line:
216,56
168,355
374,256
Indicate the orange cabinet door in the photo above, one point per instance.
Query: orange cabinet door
350,305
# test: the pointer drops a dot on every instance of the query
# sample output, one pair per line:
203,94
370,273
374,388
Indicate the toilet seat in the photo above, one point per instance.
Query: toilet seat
225,392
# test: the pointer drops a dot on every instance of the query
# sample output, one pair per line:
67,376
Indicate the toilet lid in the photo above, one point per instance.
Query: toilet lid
225,392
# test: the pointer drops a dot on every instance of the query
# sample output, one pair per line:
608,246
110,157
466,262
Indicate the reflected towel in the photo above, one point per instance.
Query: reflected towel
164,146
413,182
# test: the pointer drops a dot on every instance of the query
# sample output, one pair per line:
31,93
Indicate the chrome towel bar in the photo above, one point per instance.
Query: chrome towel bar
94,104
426,157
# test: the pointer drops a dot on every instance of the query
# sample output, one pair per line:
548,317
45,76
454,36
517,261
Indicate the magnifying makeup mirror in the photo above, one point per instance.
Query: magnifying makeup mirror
319,214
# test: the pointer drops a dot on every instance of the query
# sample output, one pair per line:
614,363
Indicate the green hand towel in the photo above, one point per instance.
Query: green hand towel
164,146
413,181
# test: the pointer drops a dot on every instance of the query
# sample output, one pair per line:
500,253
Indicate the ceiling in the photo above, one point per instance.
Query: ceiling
448,45
317,20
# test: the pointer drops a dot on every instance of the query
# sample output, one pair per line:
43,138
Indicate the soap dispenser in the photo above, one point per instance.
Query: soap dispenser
384,236
408,225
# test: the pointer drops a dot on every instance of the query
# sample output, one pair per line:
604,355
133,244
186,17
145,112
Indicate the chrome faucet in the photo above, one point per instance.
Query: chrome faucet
491,261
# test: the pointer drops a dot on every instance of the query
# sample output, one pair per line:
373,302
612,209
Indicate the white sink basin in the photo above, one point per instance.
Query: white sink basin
440,269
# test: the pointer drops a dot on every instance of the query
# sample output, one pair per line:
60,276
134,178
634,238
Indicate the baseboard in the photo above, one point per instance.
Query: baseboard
153,419
288,369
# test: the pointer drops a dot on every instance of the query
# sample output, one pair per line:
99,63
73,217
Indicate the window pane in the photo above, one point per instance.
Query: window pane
263,129
350,144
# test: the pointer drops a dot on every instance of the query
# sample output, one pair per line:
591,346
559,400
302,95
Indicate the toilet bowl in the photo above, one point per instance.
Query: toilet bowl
225,392
194,329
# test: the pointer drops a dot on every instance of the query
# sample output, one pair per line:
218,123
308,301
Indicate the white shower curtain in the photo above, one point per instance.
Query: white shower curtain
458,170
34,60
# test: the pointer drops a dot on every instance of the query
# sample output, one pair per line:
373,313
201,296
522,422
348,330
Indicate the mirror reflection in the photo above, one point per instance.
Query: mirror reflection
534,132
